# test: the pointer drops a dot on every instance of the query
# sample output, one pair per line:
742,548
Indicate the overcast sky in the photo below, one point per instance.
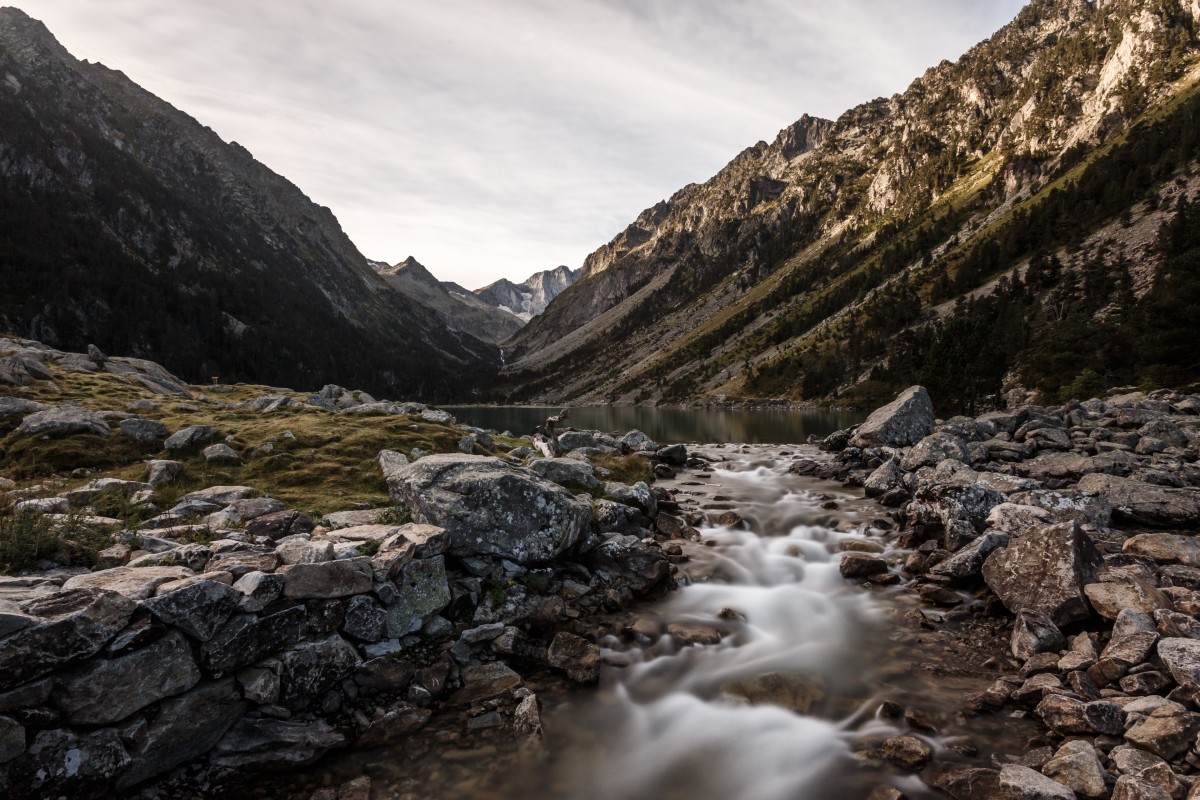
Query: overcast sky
497,138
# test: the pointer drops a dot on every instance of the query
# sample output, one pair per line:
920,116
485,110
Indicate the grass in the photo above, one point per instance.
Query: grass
626,469
317,462
26,539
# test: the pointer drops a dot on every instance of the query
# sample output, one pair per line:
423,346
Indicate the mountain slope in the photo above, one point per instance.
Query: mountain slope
458,309
791,273
530,297
125,222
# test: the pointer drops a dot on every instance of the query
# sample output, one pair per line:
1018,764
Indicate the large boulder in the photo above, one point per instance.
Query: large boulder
1046,571
934,449
191,437
1145,503
490,507
63,421
569,472
902,422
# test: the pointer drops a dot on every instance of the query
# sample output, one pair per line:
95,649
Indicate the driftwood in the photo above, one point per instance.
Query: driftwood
545,437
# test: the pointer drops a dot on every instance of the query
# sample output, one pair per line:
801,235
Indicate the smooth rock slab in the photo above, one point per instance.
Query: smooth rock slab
190,437
68,626
247,638
136,583
186,727
108,690
329,579
63,421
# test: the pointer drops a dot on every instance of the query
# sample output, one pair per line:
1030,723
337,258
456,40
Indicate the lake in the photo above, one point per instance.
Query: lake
671,425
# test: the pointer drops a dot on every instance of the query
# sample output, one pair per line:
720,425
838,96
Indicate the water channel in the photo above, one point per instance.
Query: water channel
763,677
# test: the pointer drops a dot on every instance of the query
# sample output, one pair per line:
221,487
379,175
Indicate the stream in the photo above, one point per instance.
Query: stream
765,676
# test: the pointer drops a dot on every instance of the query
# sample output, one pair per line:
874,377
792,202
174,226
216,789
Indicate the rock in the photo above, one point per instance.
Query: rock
638,495
610,517
903,422
861,565
309,669
160,472
1019,520
390,463
221,453
65,763
393,727
968,783
246,638
12,739
66,627
1119,590
1145,766
1173,625
302,551
219,496
1035,632
1023,783
1165,548
186,727
641,565
672,454
199,608
485,681
933,449
258,590
637,442
1168,732
364,619
1066,716
108,690
576,656
1129,788
1076,766
907,752
886,477
573,440
189,438
136,583
275,743
260,684
438,417
63,421
1086,509
329,579
1145,503
795,691
279,525
490,507
1048,466
14,408
969,560
1045,571
527,719
144,431
1182,657
960,510
575,475
422,591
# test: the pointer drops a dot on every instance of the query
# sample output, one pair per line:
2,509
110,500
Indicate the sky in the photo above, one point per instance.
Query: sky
497,138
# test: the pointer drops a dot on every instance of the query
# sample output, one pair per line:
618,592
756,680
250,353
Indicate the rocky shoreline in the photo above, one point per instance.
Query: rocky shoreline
225,629
1076,523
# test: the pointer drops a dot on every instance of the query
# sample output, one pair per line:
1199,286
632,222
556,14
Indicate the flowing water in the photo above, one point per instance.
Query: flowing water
761,678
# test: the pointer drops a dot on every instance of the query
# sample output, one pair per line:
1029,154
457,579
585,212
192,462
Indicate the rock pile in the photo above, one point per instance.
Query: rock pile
1079,520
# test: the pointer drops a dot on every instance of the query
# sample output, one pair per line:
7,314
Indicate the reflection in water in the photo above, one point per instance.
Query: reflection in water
671,425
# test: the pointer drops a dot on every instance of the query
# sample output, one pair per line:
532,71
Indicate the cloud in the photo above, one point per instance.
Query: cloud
493,139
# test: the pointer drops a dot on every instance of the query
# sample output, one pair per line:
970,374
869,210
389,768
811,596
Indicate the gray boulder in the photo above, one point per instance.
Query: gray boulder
310,669
62,762
1077,766
421,592
490,507
63,421
1145,503
1182,657
566,472
902,422
191,437
1023,783
329,579
160,472
1046,571
934,449
390,462
221,453
144,431
199,609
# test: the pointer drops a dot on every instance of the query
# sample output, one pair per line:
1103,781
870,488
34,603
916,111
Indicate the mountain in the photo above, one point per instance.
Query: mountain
1002,226
459,309
128,224
530,297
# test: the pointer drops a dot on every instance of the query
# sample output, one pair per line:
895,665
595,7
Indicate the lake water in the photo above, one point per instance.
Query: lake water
671,425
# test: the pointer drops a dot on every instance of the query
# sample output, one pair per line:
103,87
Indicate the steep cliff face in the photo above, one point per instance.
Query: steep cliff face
774,254
458,309
129,224
529,298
